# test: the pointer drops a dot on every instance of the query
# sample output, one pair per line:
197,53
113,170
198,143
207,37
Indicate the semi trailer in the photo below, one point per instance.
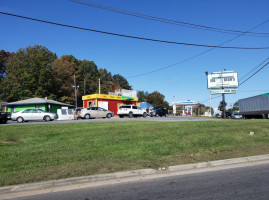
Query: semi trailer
255,107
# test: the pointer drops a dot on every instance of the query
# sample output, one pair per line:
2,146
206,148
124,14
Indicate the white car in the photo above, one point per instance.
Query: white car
130,111
95,112
33,115
237,116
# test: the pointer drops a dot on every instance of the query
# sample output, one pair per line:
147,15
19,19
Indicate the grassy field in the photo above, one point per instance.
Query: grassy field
30,153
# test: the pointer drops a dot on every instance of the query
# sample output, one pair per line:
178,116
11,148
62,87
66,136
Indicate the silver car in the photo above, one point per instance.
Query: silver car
237,116
95,112
33,115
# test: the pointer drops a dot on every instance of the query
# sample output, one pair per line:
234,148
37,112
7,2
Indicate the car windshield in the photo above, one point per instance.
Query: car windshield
101,109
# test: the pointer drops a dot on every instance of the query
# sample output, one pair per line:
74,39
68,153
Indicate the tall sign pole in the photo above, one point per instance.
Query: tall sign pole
223,98
223,106
224,82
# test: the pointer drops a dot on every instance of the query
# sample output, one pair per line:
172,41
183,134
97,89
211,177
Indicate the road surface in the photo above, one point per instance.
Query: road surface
248,183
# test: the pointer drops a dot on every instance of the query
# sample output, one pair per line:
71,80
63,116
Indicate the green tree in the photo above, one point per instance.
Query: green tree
28,74
107,84
200,109
63,79
157,100
235,107
4,57
123,83
89,77
222,104
142,96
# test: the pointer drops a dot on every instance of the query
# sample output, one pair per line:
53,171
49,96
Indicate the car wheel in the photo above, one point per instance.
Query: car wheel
20,120
144,115
121,116
108,115
47,118
157,115
130,115
87,116
3,121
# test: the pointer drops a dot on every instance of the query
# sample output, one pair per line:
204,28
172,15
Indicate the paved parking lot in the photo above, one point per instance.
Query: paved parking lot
115,119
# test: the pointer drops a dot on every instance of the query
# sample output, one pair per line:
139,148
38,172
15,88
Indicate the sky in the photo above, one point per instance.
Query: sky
132,57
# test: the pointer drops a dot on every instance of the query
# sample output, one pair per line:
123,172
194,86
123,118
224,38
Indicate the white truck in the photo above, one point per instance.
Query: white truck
130,110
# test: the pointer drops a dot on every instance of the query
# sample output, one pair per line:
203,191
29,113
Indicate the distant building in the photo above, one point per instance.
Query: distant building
38,103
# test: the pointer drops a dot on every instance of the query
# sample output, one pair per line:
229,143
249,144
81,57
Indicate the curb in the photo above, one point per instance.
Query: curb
128,174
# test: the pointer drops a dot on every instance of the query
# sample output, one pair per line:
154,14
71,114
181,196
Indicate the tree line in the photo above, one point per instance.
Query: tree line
35,71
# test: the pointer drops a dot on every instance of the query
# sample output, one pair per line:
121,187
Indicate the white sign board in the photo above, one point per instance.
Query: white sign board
103,104
223,91
222,80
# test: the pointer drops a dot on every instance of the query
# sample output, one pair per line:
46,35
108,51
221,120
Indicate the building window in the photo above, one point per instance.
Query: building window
13,109
38,106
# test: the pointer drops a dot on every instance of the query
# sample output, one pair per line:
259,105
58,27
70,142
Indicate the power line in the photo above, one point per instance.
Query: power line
253,69
254,73
133,37
211,99
197,55
169,21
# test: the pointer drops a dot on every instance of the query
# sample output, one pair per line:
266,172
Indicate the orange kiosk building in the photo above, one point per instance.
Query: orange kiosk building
109,102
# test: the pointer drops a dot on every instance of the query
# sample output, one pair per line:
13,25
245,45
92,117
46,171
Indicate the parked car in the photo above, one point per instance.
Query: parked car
237,116
228,115
131,111
95,112
3,117
159,112
33,115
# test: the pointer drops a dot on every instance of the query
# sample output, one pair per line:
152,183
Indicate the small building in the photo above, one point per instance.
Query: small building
38,103
108,102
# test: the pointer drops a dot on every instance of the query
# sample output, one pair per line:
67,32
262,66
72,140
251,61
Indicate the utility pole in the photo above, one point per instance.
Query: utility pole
223,98
99,87
210,105
75,87
84,86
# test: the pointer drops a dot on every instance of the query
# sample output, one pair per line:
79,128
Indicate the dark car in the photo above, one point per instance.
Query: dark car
228,115
159,112
3,117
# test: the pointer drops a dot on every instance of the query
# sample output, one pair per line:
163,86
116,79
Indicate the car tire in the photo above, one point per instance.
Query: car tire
144,115
3,121
121,116
20,120
47,118
87,116
157,115
130,115
108,115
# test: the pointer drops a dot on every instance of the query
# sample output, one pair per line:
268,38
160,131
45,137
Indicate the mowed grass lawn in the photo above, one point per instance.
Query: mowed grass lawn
31,153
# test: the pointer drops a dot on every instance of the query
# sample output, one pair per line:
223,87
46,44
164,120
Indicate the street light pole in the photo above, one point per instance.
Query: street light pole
76,88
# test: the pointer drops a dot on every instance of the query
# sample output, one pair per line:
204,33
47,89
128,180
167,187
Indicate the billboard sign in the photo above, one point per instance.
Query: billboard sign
225,79
223,91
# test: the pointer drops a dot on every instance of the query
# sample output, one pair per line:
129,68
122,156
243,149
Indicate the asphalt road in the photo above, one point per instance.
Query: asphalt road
238,183
161,119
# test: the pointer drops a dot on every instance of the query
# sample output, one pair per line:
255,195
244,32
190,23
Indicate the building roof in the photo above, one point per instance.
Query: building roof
36,100
109,97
